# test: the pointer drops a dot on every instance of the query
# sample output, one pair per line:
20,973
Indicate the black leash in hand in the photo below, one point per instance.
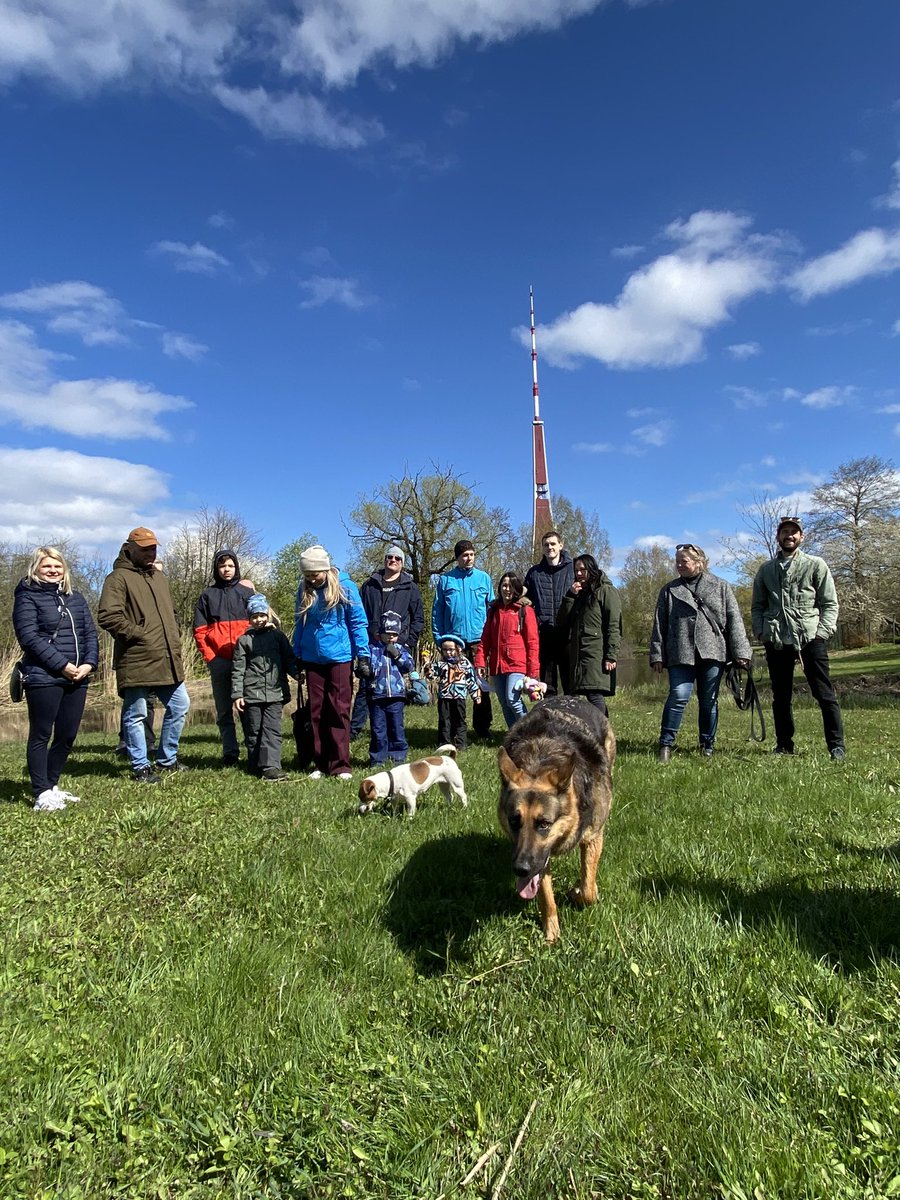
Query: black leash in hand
745,698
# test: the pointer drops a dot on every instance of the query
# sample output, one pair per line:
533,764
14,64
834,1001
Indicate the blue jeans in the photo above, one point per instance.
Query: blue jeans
708,676
176,701
511,703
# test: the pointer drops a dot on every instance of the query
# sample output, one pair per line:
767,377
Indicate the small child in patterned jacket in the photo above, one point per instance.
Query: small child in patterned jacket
456,679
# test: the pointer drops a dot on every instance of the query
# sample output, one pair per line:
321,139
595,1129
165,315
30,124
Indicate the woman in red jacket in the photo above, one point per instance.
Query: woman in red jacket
509,645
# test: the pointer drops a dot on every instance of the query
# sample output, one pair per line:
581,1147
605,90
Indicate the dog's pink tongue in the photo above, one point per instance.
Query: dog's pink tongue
528,888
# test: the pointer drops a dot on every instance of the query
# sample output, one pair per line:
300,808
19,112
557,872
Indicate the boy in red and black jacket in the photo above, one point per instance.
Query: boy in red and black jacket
219,620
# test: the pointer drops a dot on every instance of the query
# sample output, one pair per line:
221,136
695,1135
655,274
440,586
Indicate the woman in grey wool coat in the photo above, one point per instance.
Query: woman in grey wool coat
697,629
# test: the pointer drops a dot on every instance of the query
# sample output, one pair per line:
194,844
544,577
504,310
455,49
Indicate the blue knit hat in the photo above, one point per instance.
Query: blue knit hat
257,604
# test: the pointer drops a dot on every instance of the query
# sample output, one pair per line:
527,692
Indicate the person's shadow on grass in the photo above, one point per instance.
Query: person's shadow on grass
849,926
445,891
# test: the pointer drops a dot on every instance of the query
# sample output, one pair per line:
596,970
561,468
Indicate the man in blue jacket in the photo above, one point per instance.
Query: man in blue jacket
461,600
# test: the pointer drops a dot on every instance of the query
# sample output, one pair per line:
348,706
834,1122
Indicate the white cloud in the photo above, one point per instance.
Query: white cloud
196,258
896,328
768,461
91,501
654,539
664,311
630,251
221,220
179,345
892,198
826,397
592,447
656,434
195,46
637,413
889,409
32,396
744,350
337,39
75,307
330,289
871,252
745,397
841,329
294,117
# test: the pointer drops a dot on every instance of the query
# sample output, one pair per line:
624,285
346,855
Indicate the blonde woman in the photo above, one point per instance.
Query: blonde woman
55,629
697,629
331,631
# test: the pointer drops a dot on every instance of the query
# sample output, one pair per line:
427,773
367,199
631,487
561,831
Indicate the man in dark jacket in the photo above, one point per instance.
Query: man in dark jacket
390,589
220,618
136,608
546,584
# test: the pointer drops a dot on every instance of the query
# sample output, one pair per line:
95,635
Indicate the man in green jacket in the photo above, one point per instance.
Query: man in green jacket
795,611
136,608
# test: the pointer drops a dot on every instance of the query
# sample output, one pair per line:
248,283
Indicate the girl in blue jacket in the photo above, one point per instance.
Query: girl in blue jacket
55,629
331,631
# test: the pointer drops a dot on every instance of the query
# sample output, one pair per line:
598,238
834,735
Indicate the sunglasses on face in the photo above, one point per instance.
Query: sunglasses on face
392,558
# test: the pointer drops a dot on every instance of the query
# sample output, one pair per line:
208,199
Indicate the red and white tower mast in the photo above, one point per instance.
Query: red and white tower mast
543,513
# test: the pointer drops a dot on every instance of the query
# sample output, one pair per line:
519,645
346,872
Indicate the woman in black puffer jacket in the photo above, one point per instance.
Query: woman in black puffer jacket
57,634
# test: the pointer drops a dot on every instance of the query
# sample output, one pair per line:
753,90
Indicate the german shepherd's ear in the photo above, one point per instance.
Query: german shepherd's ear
510,772
558,771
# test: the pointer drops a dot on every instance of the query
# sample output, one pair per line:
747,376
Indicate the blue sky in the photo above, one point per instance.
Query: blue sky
265,255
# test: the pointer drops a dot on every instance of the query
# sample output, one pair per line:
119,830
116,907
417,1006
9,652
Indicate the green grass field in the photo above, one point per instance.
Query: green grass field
222,988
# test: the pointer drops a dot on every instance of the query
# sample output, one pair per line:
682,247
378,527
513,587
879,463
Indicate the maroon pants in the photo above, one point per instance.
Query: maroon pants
330,688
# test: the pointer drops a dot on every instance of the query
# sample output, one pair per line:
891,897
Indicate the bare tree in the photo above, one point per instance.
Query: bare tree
188,557
646,570
747,552
854,525
422,514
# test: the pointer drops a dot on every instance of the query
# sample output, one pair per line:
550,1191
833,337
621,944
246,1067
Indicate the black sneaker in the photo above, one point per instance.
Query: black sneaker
783,750
172,766
838,754
230,760
274,775
145,775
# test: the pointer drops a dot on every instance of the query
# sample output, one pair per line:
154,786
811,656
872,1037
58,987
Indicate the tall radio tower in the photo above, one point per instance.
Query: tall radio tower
543,513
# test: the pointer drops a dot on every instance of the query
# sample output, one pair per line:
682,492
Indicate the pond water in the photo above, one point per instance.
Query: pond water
103,717
98,718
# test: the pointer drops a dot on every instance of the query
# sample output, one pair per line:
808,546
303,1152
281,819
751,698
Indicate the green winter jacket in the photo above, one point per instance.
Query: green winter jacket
593,626
263,659
136,608
794,604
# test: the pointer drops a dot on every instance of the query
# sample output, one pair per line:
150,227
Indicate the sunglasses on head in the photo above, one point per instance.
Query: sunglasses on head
688,546
788,521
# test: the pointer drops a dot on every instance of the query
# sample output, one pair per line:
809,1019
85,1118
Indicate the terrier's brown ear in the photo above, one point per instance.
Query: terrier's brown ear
510,772
367,790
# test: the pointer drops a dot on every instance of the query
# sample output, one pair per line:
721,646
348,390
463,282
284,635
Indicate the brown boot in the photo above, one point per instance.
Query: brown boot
665,753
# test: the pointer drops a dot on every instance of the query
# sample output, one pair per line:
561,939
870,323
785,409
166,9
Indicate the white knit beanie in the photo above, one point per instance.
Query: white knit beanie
315,558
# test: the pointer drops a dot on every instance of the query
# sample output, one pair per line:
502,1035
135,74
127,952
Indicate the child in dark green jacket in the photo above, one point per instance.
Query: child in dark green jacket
263,660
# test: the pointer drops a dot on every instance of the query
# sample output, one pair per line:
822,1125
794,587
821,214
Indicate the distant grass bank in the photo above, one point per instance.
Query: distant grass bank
221,988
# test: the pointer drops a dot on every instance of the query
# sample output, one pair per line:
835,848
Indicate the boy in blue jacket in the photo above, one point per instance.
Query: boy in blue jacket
390,662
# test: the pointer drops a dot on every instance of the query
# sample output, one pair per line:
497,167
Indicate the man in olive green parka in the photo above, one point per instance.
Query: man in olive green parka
136,608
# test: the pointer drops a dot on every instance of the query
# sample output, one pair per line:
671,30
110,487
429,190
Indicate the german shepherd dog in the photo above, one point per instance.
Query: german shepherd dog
555,794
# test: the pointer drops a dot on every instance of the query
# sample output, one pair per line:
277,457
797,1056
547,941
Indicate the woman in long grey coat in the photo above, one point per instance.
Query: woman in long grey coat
697,629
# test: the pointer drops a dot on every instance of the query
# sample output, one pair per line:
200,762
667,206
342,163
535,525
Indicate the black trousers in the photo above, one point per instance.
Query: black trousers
452,722
481,713
597,699
814,658
262,729
53,710
553,649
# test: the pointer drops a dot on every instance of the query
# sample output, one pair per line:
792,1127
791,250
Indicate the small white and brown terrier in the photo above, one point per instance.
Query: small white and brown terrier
404,784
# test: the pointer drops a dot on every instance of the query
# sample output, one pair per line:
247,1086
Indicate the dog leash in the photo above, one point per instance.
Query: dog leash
748,699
